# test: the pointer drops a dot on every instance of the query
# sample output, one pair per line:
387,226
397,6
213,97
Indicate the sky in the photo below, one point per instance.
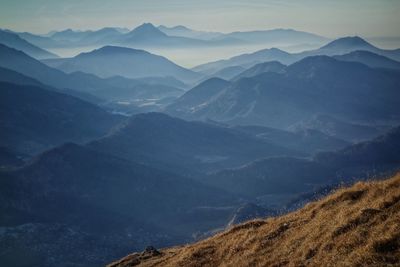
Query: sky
330,18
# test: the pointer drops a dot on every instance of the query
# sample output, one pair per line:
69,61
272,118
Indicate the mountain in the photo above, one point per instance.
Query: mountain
144,33
13,40
68,35
247,60
332,126
269,37
272,66
69,198
380,151
228,72
45,42
83,85
111,61
147,35
182,31
306,140
274,178
339,46
347,45
70,38
34,119
278,175
10,76
332,229
197,96
183,146
349,91
370,59
278,36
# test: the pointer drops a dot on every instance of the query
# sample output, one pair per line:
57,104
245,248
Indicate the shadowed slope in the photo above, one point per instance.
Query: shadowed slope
356,226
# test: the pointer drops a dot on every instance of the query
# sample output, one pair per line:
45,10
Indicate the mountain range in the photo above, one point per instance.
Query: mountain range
111,61
148,35
119,149
337,47
184,147
280,175
314,85
13,40
87,86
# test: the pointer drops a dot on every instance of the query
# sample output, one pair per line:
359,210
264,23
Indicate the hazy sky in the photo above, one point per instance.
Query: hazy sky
331,18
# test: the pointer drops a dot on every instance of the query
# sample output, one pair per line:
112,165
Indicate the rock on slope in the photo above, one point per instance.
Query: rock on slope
356,226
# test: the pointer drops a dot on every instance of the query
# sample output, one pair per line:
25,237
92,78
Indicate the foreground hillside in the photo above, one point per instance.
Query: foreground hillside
356,226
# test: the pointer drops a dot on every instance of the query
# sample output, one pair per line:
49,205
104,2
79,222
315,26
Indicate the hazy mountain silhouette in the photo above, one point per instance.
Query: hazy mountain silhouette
110,61
337,47
147,35
45,42
271,66
79,84
370,59
277,36
347,90
69,38
228,72
182,31
197,96
13,40
349,44
247,60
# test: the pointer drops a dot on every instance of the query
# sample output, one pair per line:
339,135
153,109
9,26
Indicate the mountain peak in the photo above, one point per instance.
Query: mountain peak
146,25
146,29
348,42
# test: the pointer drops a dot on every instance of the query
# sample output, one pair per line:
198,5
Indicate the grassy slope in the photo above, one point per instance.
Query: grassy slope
356,226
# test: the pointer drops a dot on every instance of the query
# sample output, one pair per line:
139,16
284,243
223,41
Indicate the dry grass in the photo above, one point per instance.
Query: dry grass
356,226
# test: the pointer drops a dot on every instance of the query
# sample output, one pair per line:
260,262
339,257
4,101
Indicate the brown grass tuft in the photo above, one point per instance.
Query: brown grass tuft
357,226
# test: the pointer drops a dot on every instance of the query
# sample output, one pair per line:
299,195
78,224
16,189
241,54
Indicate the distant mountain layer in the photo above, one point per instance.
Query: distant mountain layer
247,60
148,35
183,31
314,85
114,88
340,46
13,40
332,229
110,61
